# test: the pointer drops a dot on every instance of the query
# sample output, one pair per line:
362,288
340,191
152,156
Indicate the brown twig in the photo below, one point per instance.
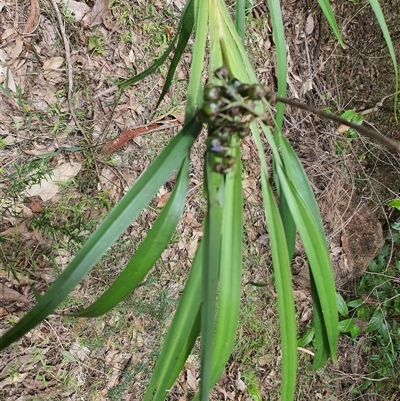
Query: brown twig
114,144
69,64
374,135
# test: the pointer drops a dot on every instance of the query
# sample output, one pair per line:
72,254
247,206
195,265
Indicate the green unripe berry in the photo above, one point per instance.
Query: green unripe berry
243,90
220,168
243,133
256,92
229,161
211,92
210,109
222,73
235,83
224,135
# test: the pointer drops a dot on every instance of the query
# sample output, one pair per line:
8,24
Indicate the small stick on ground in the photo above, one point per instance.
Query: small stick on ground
69,64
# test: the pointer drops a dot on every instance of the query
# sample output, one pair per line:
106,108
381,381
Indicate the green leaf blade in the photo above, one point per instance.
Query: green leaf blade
148,252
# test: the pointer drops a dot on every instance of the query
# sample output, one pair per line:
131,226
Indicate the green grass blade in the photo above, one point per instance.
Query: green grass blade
128,82
112,227
148,252
282,273
330,16
281,60
181,335
187,28
381,19
211,264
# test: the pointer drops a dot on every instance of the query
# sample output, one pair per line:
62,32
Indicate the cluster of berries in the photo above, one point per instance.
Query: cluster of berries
228,110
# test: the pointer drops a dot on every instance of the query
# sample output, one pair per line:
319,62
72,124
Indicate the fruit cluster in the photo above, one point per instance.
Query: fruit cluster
228,110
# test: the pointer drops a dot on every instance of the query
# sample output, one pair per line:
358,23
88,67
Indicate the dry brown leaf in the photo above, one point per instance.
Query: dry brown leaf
7,33
163,199
9,295
100,13
53,63
35,206
309,25
3,312
16,51
79,10
33,19
191,380
342,129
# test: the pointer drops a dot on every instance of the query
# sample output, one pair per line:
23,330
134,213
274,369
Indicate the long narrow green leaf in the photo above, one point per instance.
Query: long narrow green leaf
128,82
280,44
240,18
112,227
148,252
195,100
314,243
211,264
230,281
181,334
330,16
321,339
296,174
186,31
382,22
287,221
282,273
281,60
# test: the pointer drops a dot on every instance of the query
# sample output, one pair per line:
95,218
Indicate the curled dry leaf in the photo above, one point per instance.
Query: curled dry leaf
33,19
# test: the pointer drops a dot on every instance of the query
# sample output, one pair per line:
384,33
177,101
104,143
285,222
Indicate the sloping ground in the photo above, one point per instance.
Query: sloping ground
81,128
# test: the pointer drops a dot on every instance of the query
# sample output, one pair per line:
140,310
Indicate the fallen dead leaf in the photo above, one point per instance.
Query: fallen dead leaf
35,206
163,199
10,295
53,63
33,20
16,51
342,129
79,10
309,25
191,380
100,13
48,187
7,33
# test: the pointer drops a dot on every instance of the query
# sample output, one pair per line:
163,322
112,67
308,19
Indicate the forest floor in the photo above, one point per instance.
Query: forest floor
70,149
